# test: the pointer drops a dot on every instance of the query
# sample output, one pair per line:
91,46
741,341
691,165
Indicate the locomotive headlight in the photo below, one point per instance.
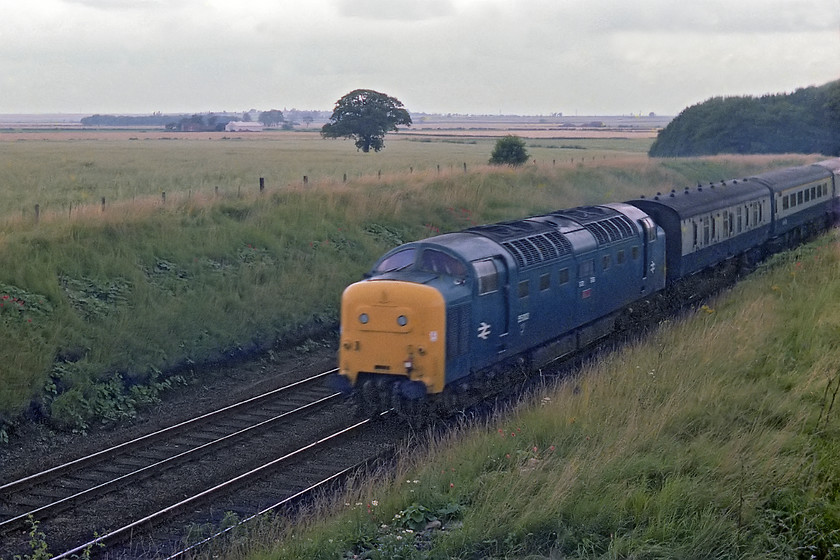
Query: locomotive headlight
363,318
402,320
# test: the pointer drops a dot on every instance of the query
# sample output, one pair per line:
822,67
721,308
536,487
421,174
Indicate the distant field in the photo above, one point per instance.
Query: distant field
61,170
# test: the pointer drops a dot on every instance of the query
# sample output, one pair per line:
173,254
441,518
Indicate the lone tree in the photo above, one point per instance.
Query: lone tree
271,118
366,115
509,150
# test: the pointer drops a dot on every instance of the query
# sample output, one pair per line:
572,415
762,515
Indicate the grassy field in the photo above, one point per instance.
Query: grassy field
61,174
98,306
715,437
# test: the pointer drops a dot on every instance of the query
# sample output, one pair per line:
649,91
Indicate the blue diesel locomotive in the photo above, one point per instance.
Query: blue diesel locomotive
442,322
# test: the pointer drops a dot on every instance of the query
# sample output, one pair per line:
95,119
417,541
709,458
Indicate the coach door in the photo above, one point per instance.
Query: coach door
492,310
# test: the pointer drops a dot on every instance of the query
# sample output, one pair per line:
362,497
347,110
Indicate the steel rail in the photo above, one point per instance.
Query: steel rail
285,501
69,501
31,480
151,519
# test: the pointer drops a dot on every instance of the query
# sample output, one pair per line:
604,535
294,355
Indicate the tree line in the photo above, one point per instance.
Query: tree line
805,121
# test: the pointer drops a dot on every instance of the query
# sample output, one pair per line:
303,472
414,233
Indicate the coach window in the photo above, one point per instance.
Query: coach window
740,219
564,276
524,288
488,276
694,228
799,197
813,193
706,230
807,195
785,202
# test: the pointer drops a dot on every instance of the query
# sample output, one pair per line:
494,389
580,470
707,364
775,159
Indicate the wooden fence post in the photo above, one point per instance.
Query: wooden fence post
163,197
262,184
37,212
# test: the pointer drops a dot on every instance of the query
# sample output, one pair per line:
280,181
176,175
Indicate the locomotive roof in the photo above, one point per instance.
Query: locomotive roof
780,179
703,199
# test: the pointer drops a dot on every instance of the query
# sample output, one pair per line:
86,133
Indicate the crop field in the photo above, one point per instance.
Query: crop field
102,302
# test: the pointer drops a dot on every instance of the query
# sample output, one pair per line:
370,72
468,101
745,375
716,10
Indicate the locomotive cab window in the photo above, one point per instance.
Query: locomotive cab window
488,276
397,261
441,263
586,269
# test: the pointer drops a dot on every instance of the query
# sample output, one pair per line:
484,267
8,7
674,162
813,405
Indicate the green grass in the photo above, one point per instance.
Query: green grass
103,301
716,437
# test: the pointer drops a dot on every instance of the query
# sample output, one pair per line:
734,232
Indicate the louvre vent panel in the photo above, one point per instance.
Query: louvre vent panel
538,249
611,230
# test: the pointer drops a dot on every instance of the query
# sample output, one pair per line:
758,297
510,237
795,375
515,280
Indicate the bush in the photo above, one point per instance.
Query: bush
509,150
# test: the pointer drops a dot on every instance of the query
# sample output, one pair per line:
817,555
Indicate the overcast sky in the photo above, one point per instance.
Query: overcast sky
602,57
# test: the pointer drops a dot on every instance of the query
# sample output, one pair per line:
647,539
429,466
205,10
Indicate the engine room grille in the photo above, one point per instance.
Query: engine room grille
457,330
538,249
611,229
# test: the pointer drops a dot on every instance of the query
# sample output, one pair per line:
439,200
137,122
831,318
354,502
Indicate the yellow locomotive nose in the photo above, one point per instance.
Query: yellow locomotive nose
393,331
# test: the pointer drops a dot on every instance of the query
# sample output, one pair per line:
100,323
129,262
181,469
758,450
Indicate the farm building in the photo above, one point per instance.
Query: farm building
242,126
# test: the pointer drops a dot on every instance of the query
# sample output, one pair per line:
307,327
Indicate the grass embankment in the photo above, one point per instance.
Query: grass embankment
716,437
99,305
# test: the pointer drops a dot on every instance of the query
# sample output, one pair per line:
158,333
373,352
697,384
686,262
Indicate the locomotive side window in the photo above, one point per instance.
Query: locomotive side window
545,282
564,276
634,252
524,288
605,262
619,258
650,229
397,261
488,276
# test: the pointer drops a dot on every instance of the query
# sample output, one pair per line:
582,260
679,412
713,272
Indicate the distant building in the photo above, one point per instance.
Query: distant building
242,126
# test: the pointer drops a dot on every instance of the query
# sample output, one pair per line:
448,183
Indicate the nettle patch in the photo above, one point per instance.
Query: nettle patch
74,400
95,298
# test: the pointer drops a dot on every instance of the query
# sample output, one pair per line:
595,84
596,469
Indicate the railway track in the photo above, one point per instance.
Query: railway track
119,491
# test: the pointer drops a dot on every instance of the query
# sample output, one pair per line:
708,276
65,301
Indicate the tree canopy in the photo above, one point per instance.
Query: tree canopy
366,116
272,117
509,150
806,121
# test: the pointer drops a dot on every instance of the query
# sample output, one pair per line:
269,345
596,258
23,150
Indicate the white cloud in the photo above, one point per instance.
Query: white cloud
526,56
